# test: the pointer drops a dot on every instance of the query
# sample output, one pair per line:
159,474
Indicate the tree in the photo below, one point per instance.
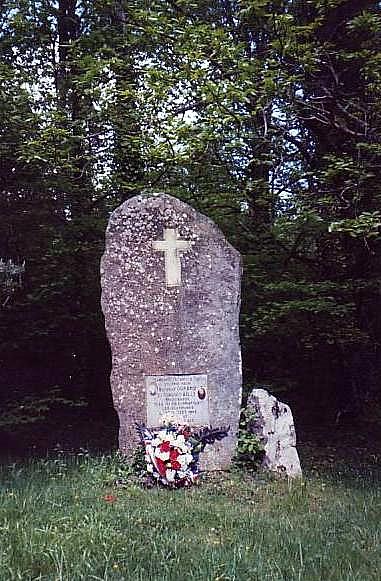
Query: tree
62,101
264,115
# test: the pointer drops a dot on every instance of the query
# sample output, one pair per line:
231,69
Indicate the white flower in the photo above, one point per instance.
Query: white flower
181,474
170,475
181,444
171,438
170,420
162,455
182,459
149,450
149,468
162,435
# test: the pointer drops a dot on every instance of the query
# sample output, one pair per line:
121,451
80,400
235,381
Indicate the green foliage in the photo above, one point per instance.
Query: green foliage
366,225
138,463
265,116
249,447
29,409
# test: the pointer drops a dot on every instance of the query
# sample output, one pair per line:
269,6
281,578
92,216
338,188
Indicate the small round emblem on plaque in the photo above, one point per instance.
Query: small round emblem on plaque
201,393
152,389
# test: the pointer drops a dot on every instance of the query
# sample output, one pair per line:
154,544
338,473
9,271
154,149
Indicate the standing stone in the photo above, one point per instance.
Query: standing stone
171,298
274,426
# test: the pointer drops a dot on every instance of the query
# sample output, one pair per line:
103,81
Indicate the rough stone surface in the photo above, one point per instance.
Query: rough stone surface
174,313
274,426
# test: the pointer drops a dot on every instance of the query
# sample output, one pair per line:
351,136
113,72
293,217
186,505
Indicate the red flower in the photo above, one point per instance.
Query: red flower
160,465
165,447
174,454
109,498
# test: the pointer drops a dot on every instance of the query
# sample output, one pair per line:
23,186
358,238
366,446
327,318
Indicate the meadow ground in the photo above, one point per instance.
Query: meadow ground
77,517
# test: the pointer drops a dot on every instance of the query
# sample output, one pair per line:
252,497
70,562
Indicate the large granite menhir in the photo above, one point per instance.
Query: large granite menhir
171,297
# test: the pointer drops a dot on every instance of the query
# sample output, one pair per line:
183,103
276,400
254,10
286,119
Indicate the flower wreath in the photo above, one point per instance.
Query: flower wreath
172,452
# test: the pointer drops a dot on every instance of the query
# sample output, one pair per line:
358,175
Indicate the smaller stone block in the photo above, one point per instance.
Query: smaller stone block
274,426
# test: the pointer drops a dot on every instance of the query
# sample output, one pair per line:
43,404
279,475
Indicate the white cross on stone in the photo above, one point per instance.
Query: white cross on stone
171,246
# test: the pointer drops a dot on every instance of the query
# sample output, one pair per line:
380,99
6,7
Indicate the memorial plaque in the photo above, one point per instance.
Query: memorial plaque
181,399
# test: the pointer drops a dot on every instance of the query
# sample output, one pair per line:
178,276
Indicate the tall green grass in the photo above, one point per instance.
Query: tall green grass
65,519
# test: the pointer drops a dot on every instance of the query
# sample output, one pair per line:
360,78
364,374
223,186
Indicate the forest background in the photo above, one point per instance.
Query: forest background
266,116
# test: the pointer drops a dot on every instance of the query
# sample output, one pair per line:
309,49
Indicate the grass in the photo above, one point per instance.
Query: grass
65,519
